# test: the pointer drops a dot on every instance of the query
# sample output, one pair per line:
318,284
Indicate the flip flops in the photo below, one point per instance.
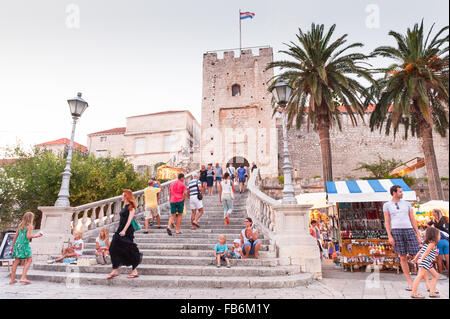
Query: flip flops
196,225
169,232
132,276
417,296
111,276
409,288
26,282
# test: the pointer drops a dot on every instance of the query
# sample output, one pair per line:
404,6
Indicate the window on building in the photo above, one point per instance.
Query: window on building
100,153
236,90
103,139
170,143
139,145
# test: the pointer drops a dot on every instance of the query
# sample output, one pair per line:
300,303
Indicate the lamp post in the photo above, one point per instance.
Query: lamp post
282,93
77,106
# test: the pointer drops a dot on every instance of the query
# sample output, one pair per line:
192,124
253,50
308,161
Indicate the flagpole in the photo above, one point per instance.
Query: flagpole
240,34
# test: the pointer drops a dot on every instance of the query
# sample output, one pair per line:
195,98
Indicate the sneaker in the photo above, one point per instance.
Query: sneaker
108,260
228,266
218,266
146,232
51,261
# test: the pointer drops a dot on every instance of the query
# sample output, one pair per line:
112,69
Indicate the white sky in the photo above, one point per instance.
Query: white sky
139,56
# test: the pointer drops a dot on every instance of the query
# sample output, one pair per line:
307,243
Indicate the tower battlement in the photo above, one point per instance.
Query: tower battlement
230,54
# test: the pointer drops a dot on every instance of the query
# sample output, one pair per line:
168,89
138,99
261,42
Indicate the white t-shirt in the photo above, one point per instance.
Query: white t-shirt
101,243
77,243
226,188
399,216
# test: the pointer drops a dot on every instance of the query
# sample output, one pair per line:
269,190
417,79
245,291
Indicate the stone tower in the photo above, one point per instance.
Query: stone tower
237,122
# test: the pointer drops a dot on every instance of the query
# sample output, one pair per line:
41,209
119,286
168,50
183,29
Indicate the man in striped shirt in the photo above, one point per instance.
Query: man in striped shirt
195,187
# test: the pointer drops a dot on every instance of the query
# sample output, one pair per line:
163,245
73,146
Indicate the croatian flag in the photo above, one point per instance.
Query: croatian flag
245,15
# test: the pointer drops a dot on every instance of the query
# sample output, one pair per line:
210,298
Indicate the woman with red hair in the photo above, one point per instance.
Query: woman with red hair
123,250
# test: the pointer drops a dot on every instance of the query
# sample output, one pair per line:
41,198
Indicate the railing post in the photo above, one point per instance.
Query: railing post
84,226
117,209
93,214
101,214
108,214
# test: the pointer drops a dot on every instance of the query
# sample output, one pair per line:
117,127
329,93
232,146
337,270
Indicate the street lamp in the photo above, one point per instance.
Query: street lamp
282,93
77,106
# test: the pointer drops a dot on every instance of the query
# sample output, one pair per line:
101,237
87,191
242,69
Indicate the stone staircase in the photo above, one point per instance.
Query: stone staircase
185,260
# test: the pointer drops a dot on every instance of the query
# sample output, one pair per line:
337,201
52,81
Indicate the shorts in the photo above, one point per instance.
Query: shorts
210,181
150,212
218,179
223,257
177,208
203,180
443,247
252,247
194,203
406,242
242,179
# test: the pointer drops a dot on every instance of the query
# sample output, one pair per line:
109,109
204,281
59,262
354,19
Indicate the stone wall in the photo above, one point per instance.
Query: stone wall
353,145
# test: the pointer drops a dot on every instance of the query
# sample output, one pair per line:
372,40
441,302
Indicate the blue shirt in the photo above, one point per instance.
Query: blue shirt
241,172
220,249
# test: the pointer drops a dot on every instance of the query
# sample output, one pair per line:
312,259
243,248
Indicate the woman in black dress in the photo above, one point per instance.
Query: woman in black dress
123,250
203,179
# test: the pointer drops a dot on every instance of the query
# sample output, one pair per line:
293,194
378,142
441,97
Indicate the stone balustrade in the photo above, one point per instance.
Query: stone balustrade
60,223
287,227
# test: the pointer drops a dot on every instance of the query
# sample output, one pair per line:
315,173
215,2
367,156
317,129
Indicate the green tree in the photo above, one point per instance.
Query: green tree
38,174
381,169
414,92
322,75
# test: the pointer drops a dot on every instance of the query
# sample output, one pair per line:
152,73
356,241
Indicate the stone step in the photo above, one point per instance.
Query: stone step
185,231
152,234
283,281
177,270
187,253
175,239
205,261
177,246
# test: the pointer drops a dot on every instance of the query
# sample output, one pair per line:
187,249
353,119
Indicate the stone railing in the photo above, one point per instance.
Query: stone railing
60,223
286,226
259,205
106,212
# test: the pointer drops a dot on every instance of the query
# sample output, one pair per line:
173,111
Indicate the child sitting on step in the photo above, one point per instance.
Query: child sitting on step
102,247
75,249
236,250
221,251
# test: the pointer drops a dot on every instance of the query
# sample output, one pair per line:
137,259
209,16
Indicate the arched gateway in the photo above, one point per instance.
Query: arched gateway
237,161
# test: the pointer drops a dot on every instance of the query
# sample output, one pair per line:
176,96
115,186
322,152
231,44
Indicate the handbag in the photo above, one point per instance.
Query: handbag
135,224
199,195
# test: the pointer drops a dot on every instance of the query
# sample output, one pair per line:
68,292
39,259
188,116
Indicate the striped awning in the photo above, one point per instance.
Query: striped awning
376,190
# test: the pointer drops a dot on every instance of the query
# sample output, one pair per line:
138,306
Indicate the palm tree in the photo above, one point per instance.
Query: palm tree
323,80
414,92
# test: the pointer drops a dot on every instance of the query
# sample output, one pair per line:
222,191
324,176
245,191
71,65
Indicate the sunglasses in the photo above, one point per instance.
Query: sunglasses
396,205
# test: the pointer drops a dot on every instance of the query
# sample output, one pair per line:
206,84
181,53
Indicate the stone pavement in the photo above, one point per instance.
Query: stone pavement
336,284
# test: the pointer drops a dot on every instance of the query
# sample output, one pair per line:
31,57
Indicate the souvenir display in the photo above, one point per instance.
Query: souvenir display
363,237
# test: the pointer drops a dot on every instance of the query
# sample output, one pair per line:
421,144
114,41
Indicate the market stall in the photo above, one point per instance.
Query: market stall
362,236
